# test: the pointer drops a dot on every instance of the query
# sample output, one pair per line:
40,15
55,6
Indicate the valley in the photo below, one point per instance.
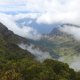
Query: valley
61,46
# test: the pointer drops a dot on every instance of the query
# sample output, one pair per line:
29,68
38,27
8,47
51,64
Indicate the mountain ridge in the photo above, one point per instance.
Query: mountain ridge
10,35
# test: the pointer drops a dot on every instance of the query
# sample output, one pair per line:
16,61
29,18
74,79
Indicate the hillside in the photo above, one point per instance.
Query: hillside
66,46
19,64
9,41
61,46
10,36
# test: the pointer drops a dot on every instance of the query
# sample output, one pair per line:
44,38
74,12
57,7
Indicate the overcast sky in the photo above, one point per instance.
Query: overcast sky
50,10
42,11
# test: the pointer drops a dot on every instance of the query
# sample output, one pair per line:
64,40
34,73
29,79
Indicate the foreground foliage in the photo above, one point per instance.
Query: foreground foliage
28,69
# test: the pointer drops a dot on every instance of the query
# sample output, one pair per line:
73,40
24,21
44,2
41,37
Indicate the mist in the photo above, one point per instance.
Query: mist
24,31
73,61
39,55
74,31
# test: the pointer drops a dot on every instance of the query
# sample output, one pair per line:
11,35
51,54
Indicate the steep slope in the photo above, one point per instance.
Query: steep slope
19,64
10,36
8,44
66,46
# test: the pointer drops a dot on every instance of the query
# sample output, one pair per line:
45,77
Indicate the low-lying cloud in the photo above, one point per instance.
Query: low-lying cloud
39,55
71,30
73,61
24,31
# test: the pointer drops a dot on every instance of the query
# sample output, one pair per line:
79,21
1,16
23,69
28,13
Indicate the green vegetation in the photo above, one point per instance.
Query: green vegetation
19,64
27,69
59,45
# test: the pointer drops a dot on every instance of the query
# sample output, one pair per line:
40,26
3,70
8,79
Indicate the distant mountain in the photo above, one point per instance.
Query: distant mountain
56,30
61,46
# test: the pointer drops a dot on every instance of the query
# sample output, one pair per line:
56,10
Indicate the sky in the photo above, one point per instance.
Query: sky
42,11
50,11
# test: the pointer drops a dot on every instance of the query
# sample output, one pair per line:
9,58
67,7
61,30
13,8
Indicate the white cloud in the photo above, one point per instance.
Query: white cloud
58,12
75,64
73,61
40,55
11,2
47,11
24,31
50,18
72,30
50,11
25,15
12,5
